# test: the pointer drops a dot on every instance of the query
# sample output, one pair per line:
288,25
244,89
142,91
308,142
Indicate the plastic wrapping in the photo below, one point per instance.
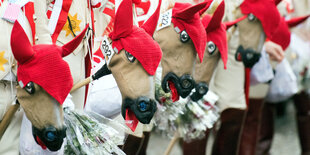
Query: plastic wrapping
299,57
262,71
104,97
284,84
89,133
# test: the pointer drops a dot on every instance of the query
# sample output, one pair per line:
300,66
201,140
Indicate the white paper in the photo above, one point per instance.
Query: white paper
164,20
107,50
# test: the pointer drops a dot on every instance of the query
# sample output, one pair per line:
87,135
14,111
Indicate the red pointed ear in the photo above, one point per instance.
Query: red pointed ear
150,25
73,44
231,23
189,12
123,20
277,1
137,2
295,21
20,44
217,17
206,7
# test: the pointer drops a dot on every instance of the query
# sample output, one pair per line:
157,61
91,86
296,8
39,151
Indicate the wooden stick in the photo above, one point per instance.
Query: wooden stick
171,144
81,84
7,118
233,29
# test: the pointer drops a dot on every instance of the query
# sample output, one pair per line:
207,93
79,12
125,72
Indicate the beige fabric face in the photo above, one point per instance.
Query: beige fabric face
41,108
177,57
229,84
250,33
204,70
131,78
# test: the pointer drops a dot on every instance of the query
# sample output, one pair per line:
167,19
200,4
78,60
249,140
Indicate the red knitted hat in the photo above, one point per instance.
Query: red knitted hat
187,17
216,31
135,40
43,64
274,26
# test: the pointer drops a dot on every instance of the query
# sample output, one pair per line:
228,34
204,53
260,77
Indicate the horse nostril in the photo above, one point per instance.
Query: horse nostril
50,134
143,104
142,107
202,88
169,77
187,82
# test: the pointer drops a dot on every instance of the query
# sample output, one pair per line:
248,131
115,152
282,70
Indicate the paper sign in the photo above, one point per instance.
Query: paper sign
107,50
164,20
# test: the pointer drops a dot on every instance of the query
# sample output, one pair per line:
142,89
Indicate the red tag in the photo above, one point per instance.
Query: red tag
130,120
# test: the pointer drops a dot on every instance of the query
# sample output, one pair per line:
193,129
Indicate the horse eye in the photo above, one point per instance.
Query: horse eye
30,88
251,17
184,37
211,47
130,57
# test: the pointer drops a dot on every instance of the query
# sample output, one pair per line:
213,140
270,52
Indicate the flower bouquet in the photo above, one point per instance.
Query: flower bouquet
90,133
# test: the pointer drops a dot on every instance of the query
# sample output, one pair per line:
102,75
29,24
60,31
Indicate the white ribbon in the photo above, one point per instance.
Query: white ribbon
55,16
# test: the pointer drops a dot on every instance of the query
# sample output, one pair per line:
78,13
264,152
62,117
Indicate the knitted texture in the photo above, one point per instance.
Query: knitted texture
135,40
186,17
43,64
216,31
47,69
